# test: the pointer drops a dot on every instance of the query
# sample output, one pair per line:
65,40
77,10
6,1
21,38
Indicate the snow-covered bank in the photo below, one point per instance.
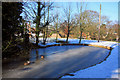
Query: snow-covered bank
51,41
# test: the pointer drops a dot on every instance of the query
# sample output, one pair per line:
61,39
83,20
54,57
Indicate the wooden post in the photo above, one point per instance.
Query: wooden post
99,24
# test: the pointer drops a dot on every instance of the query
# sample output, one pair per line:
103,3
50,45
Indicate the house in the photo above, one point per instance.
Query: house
54,35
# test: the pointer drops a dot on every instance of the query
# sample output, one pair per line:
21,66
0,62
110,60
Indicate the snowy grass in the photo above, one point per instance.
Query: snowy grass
107,69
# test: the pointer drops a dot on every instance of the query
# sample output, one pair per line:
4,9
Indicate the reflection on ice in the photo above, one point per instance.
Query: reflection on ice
41,53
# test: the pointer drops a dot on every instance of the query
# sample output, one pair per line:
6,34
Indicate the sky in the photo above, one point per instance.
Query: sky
109,9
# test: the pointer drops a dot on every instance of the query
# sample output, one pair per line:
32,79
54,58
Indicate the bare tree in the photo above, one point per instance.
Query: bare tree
56,22
36,14
56,27
81,18
68,15
44,30
45,27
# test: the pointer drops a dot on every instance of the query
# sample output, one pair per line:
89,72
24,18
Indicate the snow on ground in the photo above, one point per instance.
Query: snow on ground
49,41
107,69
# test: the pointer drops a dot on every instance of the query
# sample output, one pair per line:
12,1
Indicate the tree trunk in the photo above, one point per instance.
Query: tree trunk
37,38
38,23
44,37
47,28
57,36
44,30
80,37
68,34
26,40
57,29
68,26
80,25
56,32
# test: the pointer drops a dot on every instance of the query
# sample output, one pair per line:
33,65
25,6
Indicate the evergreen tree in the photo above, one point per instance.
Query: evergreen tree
10,22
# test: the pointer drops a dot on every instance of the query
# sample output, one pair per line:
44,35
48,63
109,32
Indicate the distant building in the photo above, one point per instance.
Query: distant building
31,31
54,35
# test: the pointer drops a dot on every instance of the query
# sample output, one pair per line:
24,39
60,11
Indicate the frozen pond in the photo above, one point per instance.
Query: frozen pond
59,60
35,54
